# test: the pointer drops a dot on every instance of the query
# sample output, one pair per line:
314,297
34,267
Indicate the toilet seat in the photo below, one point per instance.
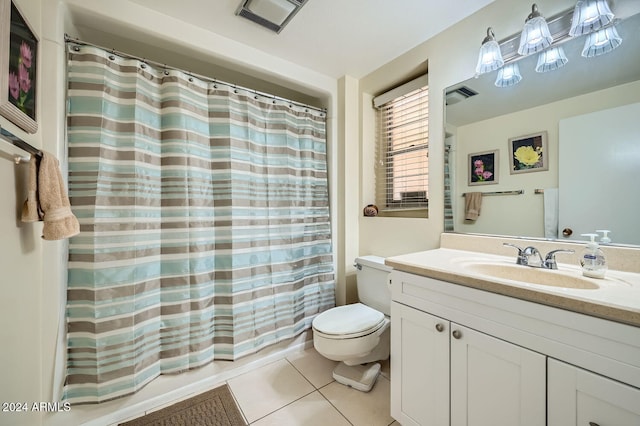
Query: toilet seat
348,321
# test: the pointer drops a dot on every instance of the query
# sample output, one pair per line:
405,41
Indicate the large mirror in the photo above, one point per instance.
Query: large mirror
584,121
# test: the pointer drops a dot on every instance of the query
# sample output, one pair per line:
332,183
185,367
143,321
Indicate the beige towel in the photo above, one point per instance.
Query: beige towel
52,200
472,205
31,209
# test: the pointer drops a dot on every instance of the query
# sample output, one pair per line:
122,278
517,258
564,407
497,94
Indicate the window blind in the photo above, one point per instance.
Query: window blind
402,160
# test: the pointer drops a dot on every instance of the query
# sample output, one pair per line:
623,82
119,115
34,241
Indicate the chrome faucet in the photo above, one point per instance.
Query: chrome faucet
549,261
550,258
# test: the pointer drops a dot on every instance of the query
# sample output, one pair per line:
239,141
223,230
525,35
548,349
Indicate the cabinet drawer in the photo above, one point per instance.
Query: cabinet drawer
580,397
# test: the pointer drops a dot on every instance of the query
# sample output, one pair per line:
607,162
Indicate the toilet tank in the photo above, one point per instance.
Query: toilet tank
373,283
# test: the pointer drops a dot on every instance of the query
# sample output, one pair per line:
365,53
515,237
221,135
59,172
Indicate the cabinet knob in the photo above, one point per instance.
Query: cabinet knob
457,334
593,424
440,327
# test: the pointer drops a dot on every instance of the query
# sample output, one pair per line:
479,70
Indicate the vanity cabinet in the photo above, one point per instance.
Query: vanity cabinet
463,356
445,373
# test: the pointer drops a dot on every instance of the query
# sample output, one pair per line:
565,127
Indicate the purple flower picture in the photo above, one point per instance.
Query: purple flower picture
18,62
483,168
22,64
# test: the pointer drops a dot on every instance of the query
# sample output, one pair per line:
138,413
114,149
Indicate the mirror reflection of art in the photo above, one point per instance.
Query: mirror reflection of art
529,153
483,168
18,65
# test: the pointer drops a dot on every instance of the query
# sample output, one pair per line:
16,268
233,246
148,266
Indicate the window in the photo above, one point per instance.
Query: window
402,160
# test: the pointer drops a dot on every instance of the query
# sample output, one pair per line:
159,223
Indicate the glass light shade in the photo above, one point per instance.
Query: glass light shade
551,59
535,34
490,57
509,75
590,15
601,42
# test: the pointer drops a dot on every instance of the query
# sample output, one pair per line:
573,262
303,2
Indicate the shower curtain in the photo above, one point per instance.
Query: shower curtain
204,217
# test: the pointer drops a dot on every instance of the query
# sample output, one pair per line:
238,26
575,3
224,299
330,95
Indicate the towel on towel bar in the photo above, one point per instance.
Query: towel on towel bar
48,201
550,200
472,205
31,211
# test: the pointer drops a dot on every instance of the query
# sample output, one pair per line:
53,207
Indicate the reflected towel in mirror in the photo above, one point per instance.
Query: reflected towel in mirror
472,205
550,199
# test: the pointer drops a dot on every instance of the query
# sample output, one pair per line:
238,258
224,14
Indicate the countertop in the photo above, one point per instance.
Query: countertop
616,298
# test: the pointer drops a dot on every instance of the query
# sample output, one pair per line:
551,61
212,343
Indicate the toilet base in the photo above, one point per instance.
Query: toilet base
360,377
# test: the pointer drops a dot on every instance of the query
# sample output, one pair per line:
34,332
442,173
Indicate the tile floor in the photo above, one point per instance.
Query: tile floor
299,390
285,384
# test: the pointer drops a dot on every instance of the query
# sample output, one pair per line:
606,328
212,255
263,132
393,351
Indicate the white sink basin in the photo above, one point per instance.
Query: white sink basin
531,275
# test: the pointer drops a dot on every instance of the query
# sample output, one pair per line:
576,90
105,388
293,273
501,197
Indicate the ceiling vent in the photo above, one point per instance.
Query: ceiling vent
271,14
459,94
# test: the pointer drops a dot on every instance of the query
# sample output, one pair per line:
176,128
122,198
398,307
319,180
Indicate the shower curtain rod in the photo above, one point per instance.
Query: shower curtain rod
69,39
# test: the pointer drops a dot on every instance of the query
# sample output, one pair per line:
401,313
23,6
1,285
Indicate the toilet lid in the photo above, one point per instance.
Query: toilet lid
348,319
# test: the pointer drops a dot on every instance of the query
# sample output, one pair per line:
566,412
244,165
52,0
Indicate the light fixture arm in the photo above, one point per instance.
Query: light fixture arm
490,35
534,13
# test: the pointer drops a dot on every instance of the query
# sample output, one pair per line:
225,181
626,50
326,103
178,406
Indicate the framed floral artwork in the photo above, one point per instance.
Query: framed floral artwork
18,68
483,168
529,153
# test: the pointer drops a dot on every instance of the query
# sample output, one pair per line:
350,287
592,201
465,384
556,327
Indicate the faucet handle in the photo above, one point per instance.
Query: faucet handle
550,258
522,258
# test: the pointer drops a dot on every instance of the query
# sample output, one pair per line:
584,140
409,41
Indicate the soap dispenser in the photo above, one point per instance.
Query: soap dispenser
594,264
605,236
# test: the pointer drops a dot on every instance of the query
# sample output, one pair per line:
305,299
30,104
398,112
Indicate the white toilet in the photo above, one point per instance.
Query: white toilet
358,334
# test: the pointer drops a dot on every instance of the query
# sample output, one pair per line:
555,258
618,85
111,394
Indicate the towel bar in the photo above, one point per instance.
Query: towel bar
9,137
515,192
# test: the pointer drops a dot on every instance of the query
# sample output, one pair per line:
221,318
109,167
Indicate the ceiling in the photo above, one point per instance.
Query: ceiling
332,37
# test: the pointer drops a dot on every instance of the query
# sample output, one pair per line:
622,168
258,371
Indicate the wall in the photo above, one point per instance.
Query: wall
451,57
348,189
21,280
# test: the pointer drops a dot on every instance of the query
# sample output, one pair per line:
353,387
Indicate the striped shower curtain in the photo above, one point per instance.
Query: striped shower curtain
204,219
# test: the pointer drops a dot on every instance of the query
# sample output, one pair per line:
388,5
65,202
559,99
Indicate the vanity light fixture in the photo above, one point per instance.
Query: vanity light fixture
508,75
271,14
535,34
547,36
551,59
590,15
601,42
490,57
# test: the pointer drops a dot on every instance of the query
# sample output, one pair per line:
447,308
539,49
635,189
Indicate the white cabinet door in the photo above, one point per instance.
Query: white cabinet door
579,397
419,367
494,382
